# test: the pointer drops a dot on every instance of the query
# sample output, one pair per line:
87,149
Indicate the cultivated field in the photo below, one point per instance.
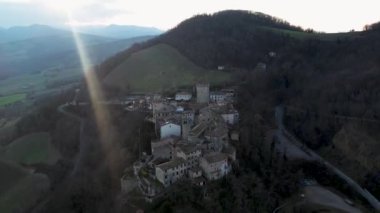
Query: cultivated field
10,99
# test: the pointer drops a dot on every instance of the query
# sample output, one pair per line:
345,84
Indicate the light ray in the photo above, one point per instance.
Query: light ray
101,113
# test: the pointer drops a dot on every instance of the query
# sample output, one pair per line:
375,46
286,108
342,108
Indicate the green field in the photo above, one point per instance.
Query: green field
31,149
37,82
159,68
19,189
10,99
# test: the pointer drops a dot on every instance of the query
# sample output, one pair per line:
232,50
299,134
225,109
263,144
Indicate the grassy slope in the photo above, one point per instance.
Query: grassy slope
160,67
5,100
32,148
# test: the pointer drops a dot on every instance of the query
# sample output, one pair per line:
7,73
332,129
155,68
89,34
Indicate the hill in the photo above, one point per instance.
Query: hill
19,33
120,31
324,79
159,67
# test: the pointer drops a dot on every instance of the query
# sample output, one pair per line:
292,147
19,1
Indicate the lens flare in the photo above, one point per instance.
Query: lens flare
101,113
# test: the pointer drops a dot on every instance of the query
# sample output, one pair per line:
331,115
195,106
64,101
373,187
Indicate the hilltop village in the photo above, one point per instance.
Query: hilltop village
194,134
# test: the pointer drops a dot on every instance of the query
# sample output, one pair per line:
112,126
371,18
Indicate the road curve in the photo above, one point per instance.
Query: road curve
279,116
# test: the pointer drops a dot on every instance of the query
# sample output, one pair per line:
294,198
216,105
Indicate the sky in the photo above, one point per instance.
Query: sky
321,15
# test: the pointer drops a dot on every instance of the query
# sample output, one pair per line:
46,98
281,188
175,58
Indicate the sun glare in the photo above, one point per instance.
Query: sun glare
101,113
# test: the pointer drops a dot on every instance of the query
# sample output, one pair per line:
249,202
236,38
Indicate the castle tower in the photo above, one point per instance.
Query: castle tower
203,92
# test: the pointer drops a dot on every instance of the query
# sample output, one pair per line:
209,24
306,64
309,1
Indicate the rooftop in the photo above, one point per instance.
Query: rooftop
162,107
214,157
218,131
183,93
171,164
166,141
187,148
167,120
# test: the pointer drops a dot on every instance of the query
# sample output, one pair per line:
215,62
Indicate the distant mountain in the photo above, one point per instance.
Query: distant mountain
40,53
120,31
26,32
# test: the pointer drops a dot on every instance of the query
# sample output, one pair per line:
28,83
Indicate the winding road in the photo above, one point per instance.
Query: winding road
279,116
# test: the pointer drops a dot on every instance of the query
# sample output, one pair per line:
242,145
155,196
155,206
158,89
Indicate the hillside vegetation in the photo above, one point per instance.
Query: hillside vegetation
158,68
19,189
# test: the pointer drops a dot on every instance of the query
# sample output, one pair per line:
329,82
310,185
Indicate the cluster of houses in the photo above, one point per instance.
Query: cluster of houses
194,134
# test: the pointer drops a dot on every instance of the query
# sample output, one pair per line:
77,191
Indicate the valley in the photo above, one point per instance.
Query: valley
233,111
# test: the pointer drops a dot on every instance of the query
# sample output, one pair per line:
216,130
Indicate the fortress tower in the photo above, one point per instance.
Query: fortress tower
203,92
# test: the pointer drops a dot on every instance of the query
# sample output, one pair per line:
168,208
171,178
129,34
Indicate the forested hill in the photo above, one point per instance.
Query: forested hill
240,39
230,38
322,75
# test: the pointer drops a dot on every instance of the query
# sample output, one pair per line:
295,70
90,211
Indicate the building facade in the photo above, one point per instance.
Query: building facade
215,165
169,129
170,172
203,93
231,117
183,96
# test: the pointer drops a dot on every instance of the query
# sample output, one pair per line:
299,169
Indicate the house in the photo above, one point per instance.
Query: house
163,148
230,151
230,116
162,110
218,135
190,153
183,96
195,172
215,165
188,116
170,172
169,128
217,96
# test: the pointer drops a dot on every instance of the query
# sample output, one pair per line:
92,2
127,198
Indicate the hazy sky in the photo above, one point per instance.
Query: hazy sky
321,15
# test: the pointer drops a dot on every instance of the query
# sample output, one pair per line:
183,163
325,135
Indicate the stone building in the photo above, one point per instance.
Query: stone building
170,172
215,165
203,93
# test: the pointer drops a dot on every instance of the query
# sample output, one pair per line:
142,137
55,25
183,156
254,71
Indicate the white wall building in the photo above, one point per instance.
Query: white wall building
218,97
231,117
170,172
183,96
215,165
169,128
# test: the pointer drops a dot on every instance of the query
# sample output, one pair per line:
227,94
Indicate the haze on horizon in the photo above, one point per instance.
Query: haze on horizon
323,15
